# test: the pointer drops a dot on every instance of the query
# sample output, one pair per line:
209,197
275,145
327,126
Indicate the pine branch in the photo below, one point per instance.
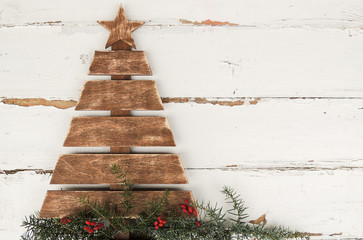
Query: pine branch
238,204
127,193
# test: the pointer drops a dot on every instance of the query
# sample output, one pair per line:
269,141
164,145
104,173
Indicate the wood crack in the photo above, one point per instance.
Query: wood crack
181,22
221,101
15,171
208,22
27,102
236,168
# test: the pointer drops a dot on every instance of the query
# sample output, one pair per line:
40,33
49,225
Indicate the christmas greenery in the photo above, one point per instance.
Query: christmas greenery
159,220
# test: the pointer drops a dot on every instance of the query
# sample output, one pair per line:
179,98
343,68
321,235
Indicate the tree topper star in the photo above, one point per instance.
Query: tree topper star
121,29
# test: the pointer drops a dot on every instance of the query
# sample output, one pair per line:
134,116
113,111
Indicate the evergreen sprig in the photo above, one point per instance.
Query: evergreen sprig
127,193
238,209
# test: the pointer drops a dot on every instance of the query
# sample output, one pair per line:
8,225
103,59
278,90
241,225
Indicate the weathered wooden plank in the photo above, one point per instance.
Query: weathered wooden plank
322,201
274,133
120,63
279,13
119,131
300,63
140,169
125,95
63,203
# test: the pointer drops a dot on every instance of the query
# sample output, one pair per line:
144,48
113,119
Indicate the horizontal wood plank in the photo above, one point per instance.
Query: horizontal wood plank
63,203
125,95
279,13
311,201
119,131
139,168
120,63
274,133
295,62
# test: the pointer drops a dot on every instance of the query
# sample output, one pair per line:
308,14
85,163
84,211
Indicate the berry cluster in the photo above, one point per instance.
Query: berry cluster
159,223
93,226
190,210
65,220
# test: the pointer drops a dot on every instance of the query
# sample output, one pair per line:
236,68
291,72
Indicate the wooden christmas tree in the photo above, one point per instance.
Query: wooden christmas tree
120,131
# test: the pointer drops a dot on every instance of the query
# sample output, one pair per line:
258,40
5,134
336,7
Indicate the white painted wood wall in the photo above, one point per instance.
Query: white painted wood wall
293,149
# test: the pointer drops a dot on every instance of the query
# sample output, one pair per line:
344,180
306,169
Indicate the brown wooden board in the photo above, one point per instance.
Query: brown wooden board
139,169
63,203
125,95
120,45
121,62
119,131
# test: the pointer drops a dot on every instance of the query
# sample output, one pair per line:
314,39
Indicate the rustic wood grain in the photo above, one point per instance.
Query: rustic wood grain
120,63
63,203
119,131
140,169
123,95
120,45
121,29
120,149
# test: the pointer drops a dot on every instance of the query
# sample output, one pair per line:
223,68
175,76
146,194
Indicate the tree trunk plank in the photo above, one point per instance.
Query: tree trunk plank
119,131
140,169
120,45
121,95
63,203
121,62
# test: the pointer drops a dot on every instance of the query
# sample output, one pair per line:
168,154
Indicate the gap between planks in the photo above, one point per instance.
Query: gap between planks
181,22
222,101
235,168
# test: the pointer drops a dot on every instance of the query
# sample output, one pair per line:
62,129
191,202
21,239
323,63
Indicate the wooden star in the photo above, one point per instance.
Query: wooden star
121,29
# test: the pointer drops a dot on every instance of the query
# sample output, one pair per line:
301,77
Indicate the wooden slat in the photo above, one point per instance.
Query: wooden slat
63,203
120,63
120,45
140,169
125,95
119,131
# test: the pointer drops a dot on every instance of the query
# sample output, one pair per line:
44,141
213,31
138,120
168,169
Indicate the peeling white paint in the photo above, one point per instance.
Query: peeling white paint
292,146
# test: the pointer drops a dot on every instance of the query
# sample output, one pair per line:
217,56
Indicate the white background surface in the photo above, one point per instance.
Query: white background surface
295,155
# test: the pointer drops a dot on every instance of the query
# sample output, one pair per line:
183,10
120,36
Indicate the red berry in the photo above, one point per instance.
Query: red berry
156,223
91,231
160,224
195,212
69,220
184,210
186,201
156,227
93,223
101,225
190,209
183,206
159,218
63,220
198,223
164,221
96,228
88,222
86,228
